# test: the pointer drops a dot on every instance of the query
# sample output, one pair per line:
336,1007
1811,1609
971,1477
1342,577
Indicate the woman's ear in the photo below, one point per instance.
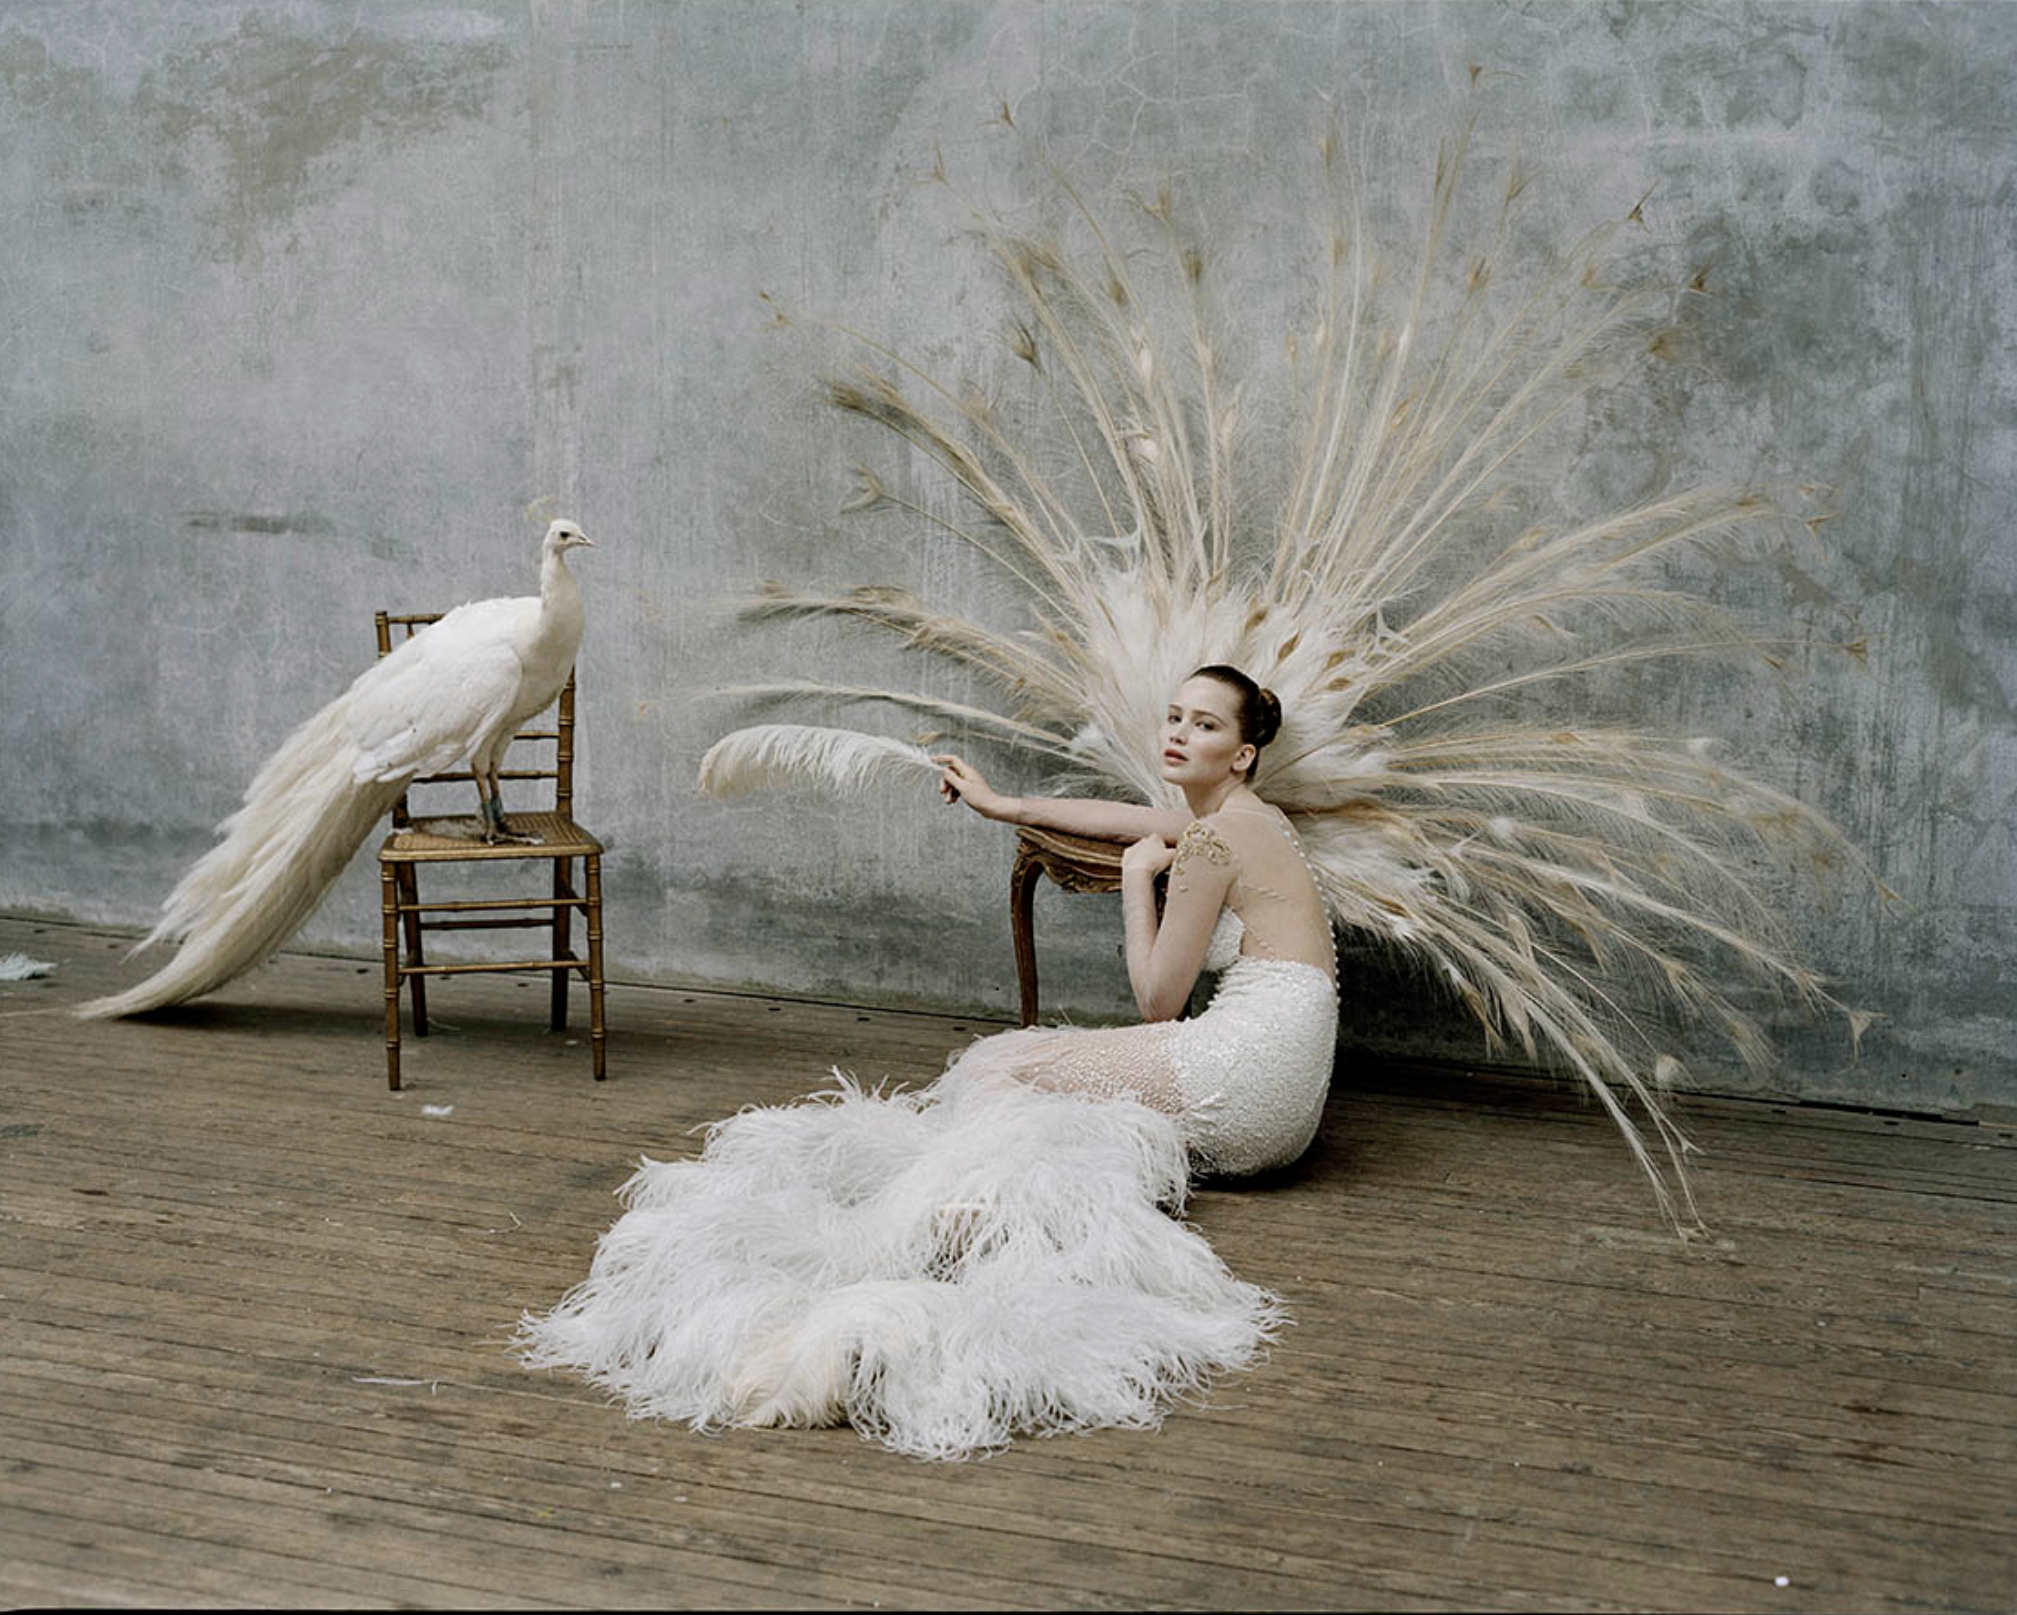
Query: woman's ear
1245,758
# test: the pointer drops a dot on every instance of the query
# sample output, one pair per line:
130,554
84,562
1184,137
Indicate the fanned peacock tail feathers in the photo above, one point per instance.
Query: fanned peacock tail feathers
1559,876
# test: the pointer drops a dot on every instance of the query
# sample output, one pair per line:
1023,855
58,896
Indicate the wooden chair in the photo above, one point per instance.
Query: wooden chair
437,840
1078,864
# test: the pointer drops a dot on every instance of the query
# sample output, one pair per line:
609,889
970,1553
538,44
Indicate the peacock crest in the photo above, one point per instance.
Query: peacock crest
1374,549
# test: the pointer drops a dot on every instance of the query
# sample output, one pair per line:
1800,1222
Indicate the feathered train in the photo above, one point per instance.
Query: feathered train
1587,889
942,1269
459,688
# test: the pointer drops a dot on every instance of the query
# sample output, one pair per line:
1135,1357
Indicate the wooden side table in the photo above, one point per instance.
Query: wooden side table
1078,864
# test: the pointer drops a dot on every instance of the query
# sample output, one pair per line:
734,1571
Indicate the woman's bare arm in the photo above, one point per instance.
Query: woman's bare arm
1164,957
1079,816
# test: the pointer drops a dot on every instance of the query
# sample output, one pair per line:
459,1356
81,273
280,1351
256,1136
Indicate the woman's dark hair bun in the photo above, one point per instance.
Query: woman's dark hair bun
1270,718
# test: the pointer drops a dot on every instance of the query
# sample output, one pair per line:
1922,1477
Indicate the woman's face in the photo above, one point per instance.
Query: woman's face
1201,735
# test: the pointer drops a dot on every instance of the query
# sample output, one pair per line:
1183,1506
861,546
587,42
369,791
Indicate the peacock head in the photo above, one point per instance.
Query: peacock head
564,535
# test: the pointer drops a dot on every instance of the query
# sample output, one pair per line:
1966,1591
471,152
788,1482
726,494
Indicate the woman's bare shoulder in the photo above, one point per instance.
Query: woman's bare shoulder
1236,824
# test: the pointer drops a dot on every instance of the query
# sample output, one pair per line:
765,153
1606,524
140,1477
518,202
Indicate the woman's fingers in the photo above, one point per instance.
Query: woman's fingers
960,778
1152,853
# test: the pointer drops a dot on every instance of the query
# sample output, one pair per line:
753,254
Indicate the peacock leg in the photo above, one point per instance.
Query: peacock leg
495,827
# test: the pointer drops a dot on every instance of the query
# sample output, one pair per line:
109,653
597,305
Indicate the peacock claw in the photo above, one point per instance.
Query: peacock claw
497,831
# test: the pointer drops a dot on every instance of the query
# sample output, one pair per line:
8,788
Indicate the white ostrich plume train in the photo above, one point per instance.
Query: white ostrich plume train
943,1268
1590,891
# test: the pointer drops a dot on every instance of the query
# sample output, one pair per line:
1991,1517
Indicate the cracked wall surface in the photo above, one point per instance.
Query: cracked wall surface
307,302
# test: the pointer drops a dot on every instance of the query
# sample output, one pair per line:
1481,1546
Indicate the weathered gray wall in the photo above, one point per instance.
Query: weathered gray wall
304,303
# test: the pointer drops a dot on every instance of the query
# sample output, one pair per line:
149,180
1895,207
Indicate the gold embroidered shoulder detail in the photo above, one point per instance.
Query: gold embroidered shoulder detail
1200,840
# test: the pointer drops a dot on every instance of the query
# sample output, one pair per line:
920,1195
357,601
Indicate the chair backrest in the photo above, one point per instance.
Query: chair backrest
395,628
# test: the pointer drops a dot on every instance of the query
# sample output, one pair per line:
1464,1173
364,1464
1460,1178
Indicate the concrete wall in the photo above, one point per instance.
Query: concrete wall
304,303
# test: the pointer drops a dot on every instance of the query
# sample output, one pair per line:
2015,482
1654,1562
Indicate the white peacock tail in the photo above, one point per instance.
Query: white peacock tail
1589,891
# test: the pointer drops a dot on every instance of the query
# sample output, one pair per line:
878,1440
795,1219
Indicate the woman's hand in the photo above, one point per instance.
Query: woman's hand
961,781
1147,858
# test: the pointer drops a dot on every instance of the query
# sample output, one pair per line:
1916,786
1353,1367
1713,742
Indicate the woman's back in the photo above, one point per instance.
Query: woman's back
1274,892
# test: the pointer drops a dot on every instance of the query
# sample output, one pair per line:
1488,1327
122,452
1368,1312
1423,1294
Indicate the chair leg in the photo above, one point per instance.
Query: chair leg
592,878
562,926
389,896
1022,894
409,894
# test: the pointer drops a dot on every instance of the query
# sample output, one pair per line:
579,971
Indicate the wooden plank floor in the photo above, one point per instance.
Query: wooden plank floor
253,1306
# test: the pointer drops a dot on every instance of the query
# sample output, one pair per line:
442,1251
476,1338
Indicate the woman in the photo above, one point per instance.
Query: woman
1246,1080
990,1256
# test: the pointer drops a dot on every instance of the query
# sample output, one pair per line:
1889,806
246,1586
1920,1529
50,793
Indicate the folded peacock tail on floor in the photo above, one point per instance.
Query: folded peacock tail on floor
1590,891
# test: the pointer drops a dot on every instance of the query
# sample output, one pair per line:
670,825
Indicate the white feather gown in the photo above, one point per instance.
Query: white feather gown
943,1269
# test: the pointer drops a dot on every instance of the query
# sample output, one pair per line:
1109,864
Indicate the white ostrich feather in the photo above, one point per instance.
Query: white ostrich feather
773,755
1392,582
